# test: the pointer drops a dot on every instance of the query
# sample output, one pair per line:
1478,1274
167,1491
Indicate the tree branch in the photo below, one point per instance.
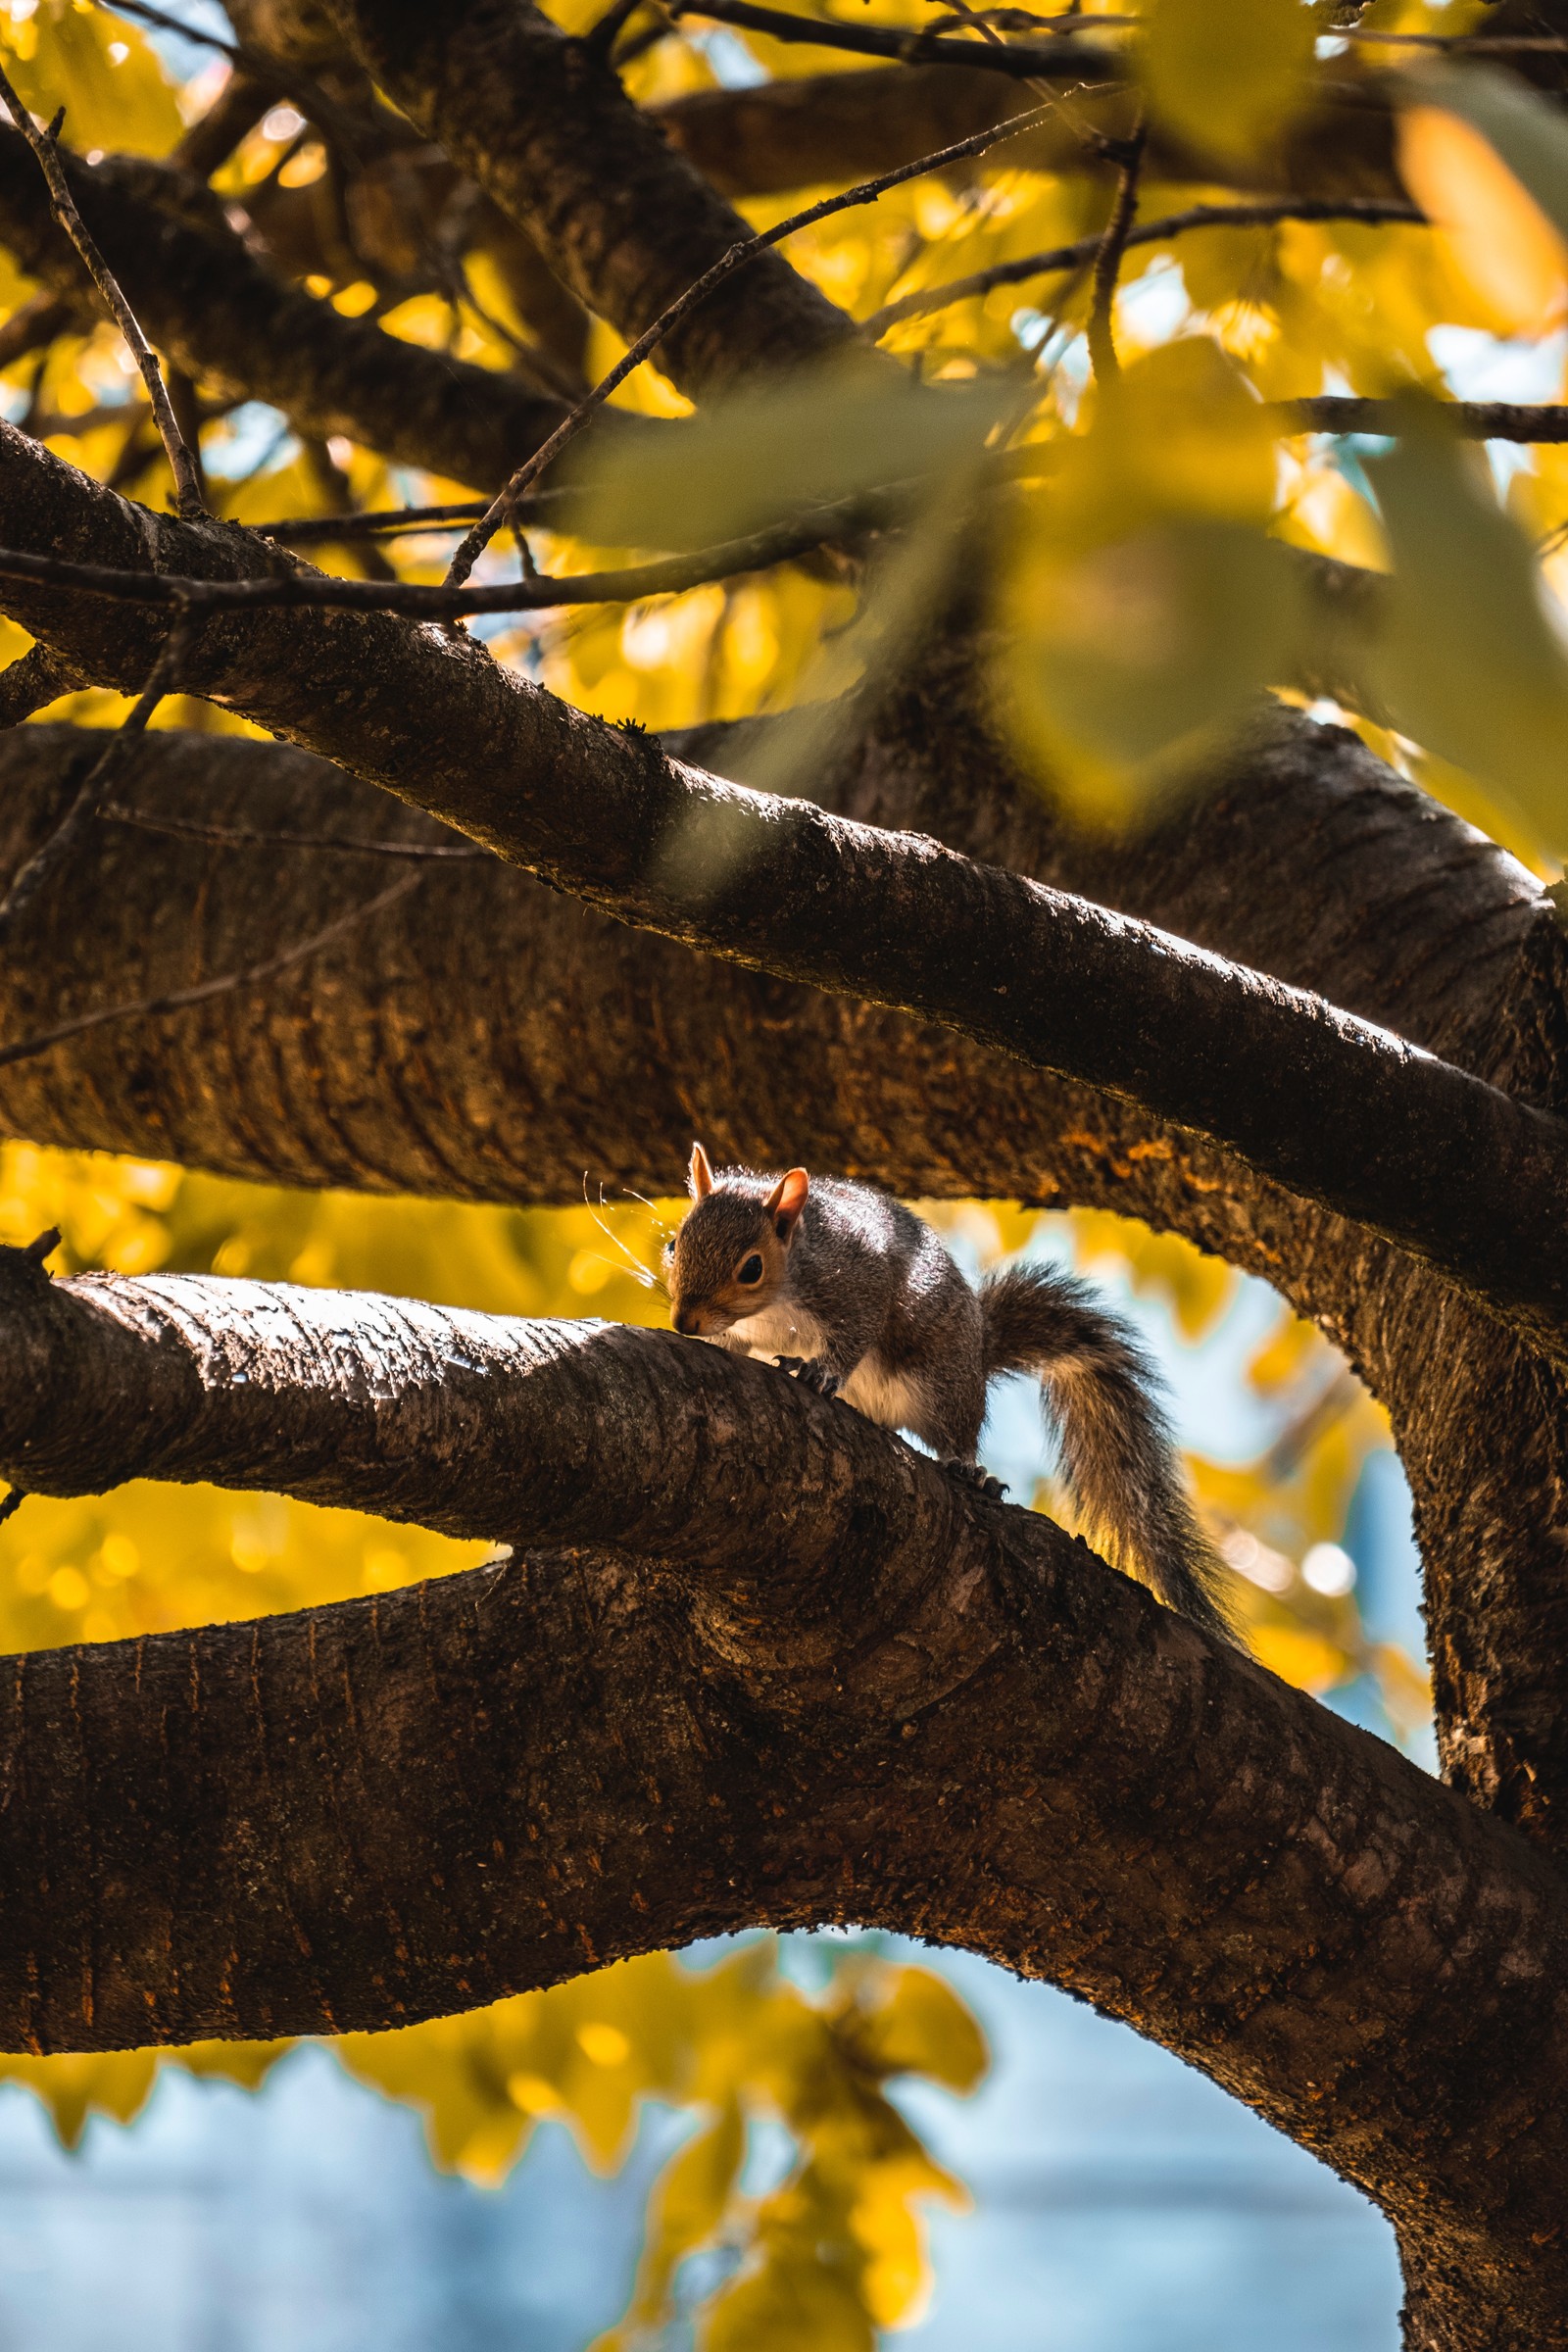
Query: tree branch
800,132
1447,1168
691,1712
542,123
228,322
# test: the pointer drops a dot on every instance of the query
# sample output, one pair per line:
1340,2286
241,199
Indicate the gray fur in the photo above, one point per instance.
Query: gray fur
866,1293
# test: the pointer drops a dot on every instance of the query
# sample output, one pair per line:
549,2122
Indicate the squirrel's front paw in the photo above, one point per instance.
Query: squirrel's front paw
811,1374
973,1474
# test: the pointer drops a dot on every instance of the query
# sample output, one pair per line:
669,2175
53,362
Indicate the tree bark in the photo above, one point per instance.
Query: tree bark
689,1711
532,116
1469,1179
231,323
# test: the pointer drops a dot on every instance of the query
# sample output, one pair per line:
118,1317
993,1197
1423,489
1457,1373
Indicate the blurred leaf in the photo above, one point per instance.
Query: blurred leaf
818,436
1136,663
1470,665
1524,126
1225,73
924,2029
104,71
1489,163
687,2205
1310,1662
1146,606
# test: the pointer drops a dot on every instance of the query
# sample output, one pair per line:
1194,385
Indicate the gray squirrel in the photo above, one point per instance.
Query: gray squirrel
858,1297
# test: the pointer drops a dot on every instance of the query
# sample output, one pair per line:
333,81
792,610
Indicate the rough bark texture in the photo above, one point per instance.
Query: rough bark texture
777,1716
530,116
1463,1174
684,1706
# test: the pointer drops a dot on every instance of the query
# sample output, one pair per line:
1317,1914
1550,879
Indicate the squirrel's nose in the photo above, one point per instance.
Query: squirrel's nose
686,1320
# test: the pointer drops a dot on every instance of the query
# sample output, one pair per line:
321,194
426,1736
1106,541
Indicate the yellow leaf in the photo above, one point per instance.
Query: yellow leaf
1227,73
1469,664
1499,238
925,2028
1309,1660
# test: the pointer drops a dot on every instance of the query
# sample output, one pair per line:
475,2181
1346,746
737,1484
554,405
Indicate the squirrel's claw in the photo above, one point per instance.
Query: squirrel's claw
973,1474
811,1374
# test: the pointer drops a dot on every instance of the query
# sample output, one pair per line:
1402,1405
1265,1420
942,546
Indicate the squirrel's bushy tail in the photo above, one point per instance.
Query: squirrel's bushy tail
1118,1458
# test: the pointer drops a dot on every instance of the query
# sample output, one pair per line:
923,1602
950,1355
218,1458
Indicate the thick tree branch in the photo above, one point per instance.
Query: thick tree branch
227,322
1413,1148
542,123
895,1704
820,127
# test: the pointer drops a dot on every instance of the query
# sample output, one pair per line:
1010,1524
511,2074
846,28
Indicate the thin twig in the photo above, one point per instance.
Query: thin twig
1543,424
180,1000
745,249
1107,265
187,481
1381,211
300,529
920,48
47,860
236,837
672,575
600,37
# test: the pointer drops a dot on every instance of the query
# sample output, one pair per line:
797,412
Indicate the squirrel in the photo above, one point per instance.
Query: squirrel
858,1297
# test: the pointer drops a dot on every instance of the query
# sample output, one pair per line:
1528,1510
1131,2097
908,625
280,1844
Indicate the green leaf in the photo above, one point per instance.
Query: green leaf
1133,665
1470,665
820,437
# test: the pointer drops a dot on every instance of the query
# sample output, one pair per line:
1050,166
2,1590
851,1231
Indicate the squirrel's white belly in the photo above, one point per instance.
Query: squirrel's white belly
884,1397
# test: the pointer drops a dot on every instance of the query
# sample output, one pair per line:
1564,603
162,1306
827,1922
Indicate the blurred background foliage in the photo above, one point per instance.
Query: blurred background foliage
1143,578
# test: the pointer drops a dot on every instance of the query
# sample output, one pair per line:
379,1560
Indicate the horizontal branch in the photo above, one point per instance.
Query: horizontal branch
469,1090
230,323
1061,60
1471,1181
801,132
897,1703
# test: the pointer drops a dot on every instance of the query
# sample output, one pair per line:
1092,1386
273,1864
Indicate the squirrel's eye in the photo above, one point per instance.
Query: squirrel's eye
751,1270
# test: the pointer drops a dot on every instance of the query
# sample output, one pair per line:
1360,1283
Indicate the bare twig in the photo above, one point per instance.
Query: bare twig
236,837
187,481
1021,60
384,522
602,36
181,999
672,575
1107,265
44,861
1380,211
744,250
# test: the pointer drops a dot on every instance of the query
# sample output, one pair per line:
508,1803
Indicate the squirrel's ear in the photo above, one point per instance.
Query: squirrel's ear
700,1175
786,1200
